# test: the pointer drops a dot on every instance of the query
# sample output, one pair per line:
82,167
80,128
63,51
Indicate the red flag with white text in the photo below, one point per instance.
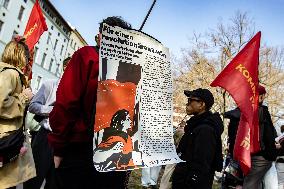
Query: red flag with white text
240,79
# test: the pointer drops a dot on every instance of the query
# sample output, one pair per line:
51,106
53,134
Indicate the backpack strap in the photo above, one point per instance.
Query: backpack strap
23,84
20,74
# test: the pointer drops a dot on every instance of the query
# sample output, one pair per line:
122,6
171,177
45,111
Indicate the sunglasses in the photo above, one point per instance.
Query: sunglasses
189,100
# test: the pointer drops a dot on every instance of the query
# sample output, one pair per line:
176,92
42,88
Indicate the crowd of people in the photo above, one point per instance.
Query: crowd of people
59,119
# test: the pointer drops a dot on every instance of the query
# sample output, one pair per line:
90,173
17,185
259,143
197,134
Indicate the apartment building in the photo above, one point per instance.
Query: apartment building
60,41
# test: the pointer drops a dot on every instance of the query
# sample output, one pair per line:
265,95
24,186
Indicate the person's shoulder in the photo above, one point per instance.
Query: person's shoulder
264,107
204,128
49,82
10,73
85,55
87,50
7,68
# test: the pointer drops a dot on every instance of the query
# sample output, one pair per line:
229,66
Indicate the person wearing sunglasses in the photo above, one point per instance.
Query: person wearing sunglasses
201,146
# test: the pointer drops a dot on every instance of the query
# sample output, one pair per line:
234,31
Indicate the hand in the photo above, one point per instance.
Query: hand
278,146
28,93
23,150
57,160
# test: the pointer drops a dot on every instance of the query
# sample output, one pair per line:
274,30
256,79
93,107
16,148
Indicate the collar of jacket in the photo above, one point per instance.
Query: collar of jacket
195,120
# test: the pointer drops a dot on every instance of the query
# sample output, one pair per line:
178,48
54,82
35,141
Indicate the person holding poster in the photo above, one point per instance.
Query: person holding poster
201,146
71,121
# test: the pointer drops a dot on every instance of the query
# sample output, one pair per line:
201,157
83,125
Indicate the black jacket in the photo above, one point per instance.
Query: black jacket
199,147
234,116
267,134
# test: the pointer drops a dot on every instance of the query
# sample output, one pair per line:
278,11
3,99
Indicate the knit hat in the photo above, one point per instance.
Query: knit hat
204,94
261,90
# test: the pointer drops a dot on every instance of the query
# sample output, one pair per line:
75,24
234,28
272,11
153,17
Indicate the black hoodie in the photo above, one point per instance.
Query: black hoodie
201,148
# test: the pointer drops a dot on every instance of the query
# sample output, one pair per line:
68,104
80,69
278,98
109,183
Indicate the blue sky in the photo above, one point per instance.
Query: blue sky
174,21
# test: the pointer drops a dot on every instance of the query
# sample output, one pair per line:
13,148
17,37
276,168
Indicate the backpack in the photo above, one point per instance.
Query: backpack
11,144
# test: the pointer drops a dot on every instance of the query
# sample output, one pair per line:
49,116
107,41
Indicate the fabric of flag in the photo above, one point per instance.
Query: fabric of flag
240,80
35,27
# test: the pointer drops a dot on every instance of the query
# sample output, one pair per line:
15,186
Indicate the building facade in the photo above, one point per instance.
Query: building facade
60,41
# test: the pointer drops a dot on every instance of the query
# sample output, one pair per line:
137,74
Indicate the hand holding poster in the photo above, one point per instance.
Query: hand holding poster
133,122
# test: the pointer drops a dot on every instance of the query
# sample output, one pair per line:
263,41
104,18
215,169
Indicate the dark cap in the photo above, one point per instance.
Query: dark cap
261,90
204,94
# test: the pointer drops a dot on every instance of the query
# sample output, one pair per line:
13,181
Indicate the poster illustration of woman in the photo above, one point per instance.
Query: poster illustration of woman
116,121
117,142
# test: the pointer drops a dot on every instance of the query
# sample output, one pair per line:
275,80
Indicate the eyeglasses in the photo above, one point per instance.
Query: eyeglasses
189,100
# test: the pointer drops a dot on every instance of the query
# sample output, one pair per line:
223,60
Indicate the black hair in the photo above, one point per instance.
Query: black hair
66,60
117,118
282,128
115,21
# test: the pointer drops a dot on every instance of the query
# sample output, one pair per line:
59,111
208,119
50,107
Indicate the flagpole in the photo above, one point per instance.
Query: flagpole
141,27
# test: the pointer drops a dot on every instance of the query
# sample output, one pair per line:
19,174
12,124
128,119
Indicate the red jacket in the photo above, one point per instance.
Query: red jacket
75,98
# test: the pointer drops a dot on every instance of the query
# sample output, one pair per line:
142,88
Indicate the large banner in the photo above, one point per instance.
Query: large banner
133,123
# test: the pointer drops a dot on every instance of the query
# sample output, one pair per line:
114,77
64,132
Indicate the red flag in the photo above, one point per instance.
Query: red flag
35,27
240,79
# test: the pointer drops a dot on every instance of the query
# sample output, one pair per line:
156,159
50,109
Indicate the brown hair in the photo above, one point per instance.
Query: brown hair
14,54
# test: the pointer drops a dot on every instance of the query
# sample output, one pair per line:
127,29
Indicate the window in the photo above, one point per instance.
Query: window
48,38
35,53
6,3
25,1
50,64
71,42
75,45
38,80
56,41
57,69
20,16
43,59
61,51
1,26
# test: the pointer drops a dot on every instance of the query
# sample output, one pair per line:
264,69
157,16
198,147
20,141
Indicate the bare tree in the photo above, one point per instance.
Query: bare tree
272,77
208,54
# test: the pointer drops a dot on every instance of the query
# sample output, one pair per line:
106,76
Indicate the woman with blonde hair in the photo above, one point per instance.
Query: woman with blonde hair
14,96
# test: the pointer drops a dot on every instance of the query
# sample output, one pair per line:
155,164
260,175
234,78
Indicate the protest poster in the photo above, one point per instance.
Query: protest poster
133,122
